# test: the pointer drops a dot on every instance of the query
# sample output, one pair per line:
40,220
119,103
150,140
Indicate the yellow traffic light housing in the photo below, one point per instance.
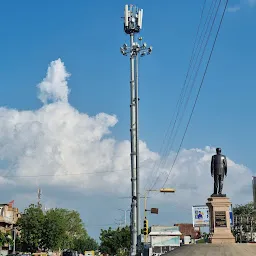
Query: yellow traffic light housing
145,230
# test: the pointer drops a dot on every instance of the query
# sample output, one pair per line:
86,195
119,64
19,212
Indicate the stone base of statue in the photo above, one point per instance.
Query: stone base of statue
220,231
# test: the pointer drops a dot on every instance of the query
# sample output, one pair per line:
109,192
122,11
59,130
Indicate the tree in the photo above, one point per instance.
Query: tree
85,244
54,230
31,224
57,228
115,241
244,209
62,227
3,239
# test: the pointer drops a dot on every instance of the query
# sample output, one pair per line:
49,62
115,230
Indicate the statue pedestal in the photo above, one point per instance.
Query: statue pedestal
220,231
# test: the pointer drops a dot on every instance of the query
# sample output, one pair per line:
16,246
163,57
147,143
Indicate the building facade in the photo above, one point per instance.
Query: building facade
9,216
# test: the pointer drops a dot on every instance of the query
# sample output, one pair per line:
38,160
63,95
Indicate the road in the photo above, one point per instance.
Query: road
215,250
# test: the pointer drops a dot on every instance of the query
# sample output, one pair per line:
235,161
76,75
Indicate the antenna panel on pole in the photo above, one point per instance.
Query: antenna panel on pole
126,14
132,19
140,16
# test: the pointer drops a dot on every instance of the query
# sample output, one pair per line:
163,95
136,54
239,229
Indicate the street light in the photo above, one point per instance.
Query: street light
167,190
162,190
154,210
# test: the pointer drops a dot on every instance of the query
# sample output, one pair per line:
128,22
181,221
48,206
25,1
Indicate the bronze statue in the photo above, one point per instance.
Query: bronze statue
218,170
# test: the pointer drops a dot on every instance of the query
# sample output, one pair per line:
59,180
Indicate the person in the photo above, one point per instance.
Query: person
218,170
200,215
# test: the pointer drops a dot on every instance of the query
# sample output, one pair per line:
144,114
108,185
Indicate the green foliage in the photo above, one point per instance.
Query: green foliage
244,209
115,241
85,244
200,241
56,229
3,238
32,225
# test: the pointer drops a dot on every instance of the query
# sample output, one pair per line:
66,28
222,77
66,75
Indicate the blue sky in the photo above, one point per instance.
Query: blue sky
86,35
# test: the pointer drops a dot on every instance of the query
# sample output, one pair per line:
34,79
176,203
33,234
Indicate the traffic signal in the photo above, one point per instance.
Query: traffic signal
145,230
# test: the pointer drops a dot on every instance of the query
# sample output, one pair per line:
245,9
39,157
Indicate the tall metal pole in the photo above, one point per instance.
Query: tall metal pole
14,241
133,147
137,155
145,214
132,25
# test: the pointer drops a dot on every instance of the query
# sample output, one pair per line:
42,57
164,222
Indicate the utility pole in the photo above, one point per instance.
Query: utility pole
119,223
14,241
132,25
39,193
125,211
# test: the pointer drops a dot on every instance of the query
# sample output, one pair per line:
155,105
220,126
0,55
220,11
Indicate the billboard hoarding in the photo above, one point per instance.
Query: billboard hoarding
164,228
200,215
231,216
254,190
165,241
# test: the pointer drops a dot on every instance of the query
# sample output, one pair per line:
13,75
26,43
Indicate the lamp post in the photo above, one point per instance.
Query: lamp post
154,210
162,190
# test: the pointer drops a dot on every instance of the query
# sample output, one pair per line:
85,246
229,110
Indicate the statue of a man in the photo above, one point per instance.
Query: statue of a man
218,170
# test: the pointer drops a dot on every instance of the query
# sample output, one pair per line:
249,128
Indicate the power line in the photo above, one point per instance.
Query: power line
193,82
199,90
171,138
101,225
179,101
64,174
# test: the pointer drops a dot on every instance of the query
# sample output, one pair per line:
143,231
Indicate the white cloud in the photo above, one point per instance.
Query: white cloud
237,7
54,86
193,182
252,2
58,140
234,8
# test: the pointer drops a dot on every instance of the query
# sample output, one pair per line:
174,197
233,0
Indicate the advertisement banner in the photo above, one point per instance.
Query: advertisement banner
165,241
231,216
164,228
254,190
200,215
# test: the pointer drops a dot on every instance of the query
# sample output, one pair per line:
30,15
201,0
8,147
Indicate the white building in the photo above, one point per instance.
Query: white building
164,239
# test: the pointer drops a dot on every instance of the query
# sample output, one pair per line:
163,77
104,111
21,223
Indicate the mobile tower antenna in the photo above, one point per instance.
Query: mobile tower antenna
132,25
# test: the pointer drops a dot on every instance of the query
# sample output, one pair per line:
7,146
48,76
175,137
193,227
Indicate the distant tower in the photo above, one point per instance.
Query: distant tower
132,26
39,193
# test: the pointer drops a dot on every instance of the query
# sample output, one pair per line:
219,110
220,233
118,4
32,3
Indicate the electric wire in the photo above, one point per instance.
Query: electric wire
199,90
180,98
185,87
64,174
100,225
164,159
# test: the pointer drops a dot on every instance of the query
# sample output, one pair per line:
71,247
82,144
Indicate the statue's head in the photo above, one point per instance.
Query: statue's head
218,151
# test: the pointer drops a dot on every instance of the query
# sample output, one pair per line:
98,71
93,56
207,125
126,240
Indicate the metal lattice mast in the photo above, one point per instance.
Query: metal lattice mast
132,25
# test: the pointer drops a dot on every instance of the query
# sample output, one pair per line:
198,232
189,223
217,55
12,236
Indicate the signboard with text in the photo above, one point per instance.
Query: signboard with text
254,190
200,215
220,219
165,241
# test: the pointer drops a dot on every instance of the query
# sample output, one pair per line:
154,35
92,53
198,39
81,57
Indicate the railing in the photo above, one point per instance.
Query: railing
244,228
